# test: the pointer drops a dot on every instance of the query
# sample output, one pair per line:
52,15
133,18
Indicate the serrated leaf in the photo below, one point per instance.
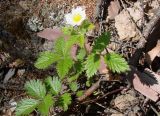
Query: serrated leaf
101,42
116,63
92,64
73,86
79,67
35,88
26,106
60,47
63,66
45,104
54,84
65,101
46,59
81,54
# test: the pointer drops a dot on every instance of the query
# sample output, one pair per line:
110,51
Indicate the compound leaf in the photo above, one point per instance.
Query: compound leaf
26,106
116,63
92,64
35,88
73,86
63,66
81,54
101,42
45,104
54,84
60,47
65,101
45,59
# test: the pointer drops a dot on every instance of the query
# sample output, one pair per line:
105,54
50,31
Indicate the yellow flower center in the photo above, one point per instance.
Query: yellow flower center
77,18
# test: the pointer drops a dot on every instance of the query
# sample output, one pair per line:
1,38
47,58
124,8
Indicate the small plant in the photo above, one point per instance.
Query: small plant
71,58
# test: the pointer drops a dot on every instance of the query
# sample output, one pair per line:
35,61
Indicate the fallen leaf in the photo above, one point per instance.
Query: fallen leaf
50,34
144,89
155,86
113,9
125,27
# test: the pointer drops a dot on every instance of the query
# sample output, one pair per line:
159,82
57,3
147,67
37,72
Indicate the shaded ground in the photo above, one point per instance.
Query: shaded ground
19,47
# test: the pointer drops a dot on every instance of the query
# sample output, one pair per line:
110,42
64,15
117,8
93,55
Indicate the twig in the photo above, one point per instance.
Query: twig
149,29
109,93
89,91
158,114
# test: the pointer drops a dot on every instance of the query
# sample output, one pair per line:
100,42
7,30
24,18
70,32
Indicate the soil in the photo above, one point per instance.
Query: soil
21,20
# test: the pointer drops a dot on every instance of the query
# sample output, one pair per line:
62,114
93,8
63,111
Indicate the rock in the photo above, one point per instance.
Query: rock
13,105
9,74
34,24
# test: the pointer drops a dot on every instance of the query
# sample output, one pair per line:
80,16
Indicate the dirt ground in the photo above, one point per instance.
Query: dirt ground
135,34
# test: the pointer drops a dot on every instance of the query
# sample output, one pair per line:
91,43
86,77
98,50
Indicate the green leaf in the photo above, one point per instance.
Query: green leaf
67,30
92,64
26,106
35,88
79,67
63,66
73,77
76,39
81,54
73,86
116,63
55,85
46,59
45,104
65,101
60,47
101,42
86,26
80,93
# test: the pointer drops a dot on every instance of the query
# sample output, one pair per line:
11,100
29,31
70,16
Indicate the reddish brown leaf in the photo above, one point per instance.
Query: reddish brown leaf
88,47
156,77
74,51
103,67
50,34
144,89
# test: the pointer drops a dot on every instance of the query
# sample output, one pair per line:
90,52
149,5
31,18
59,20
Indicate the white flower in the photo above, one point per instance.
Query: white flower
76,17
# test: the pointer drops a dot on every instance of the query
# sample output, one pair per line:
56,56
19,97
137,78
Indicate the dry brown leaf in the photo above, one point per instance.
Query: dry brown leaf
125,27
113,9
